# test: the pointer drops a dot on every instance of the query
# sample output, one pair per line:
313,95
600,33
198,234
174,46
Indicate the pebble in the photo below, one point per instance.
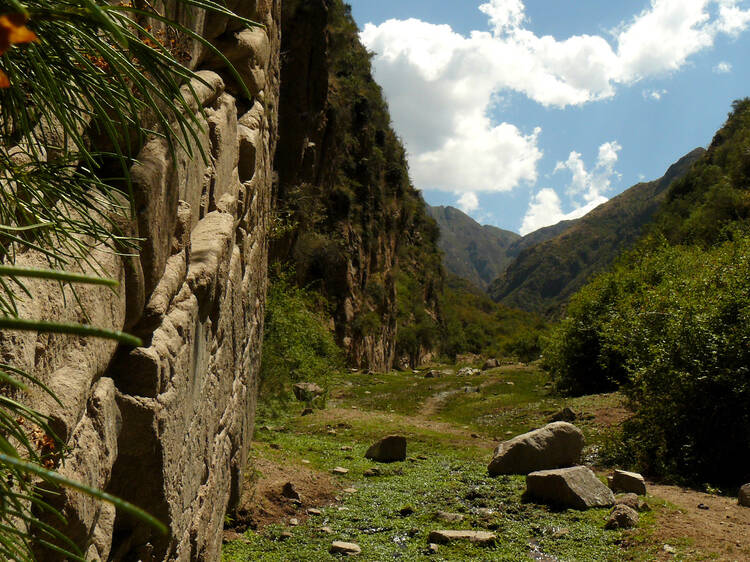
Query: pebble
347,548
326,530
340,470
346,448
284,535
313,511
669,549
432,548
371,472
305,461
350,490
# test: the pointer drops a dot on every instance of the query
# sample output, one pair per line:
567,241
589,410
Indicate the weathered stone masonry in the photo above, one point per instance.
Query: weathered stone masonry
167,426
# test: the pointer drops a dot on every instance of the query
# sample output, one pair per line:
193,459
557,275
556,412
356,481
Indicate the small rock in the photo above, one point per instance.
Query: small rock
474,436
305,461
294,522
447,517
289,491
560,532
389,449
306,391
632,501
431,374
406,511
346,548
326,530
743,497
566,415
477,537
422,457
307,411
622,517
350,490
623,481
703,506
490,364
340,470
413,532
331,431
432,548
411,459
346,448
284,535
468,372
669,549
370,472
313,511
275,446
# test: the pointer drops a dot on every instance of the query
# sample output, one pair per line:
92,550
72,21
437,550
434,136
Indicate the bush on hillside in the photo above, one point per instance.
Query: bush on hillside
674,331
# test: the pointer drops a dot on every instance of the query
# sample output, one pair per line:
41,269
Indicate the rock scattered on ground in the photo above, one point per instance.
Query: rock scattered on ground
314,511
389,449
490,364
350,490
468,372
566,415
284,535
624,481
326,530
346,448
576,487
306,391
340,470
482,538
558,444
308,412
406,511
346,548
632,501
370,472
448,517
432,548
743,497
294,522
622,517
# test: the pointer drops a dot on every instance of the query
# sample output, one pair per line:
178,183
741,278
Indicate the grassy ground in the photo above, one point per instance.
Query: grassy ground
451,424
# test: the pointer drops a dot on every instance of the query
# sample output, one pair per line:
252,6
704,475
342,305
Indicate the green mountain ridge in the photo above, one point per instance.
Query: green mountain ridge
545,275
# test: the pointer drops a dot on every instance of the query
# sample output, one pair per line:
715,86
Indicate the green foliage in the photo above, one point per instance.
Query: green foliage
297,345
473,323
670,323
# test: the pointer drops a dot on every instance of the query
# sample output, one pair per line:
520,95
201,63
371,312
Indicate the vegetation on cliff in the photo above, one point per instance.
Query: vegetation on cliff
669,323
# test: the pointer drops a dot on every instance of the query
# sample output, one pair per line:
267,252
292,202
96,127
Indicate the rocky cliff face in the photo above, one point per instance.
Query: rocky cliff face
167,426
349,221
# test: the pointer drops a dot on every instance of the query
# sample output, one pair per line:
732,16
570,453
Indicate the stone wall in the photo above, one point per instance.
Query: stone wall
167,426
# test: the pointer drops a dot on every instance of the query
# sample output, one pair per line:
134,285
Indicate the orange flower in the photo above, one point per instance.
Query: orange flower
13,31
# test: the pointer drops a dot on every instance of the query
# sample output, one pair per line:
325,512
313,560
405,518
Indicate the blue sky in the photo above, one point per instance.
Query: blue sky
526,112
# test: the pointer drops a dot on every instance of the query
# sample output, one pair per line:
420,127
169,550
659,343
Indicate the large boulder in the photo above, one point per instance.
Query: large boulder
388,449
490,364
477,537
555,445
623,481
744,496
576,487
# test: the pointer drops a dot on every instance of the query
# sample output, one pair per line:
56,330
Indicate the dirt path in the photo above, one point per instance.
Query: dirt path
723,529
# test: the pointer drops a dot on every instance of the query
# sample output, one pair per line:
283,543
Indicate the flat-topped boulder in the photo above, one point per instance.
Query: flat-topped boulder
389,449
624,481
575,487
345,548
476,537
555,445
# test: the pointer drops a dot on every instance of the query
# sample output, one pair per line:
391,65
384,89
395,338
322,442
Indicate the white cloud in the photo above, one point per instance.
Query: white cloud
468,202
655,95
723,68
441,84
586,190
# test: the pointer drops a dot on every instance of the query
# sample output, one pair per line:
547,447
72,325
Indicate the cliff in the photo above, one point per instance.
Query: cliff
167,425
349,222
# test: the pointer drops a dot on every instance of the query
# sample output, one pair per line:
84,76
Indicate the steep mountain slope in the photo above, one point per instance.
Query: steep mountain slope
545,275
472,251
349,222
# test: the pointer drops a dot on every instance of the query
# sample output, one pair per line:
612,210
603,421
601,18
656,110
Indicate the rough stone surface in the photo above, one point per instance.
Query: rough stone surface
306,391
477,537
566,415
576,487
346,548
490,364
623,481
743,497
632,501
388,449
622,517
167,426
558,444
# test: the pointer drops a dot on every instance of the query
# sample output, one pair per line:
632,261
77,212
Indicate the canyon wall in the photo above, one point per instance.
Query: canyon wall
167,426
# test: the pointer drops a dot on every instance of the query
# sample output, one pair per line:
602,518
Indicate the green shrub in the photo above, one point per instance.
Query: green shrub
297,344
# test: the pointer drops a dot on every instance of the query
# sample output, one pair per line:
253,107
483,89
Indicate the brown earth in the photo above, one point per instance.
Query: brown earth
262,502
722,530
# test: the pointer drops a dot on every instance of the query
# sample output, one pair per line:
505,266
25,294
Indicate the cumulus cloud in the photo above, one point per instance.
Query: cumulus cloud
723,68
441,85
468,202
586,190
